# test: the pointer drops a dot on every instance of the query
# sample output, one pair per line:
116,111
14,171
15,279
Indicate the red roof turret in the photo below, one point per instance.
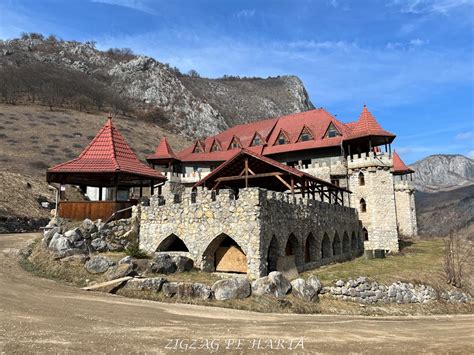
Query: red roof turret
367,125
163,152
107,153
399,167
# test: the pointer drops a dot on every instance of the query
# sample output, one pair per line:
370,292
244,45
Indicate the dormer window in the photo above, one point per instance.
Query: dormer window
215,147
235,143
282,139
332,131
305,135
257,140
198,148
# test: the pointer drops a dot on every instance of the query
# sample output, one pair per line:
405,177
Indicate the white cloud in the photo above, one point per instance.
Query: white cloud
139,5
464,136
443,7
245,13
418,42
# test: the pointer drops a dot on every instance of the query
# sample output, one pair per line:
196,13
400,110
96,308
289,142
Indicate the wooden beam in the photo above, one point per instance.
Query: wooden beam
292,181
232,178
283,181
246,172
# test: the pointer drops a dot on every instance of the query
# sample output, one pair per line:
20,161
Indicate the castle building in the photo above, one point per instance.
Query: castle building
356,156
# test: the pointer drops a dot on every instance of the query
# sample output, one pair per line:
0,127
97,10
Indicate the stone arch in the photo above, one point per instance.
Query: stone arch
273,254
365,234
172,243
293,247
326,247
310,249
346,243
224,254
361,179
354,241
336,245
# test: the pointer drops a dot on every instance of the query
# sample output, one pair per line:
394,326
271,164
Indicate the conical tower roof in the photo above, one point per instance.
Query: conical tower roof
399,167
163,152
367,125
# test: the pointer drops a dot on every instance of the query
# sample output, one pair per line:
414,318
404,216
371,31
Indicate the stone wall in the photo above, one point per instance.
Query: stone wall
405,204
260,222
380,218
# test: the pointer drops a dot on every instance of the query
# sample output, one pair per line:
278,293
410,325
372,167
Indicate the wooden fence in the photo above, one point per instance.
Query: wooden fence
79,210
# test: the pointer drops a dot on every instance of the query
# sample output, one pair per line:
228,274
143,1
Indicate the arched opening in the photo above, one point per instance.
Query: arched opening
361,179
326,247
354,241
293,247
336,245
346,243
365,234
172,243
223,254
310,249
273,254
363,206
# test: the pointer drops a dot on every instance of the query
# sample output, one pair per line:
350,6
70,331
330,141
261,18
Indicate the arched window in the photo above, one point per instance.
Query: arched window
361,179
365,234
363,206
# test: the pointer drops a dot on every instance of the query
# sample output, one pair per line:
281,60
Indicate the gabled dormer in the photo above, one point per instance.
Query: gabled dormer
235,143
305,135
216,146
282,138
257,140
332,131
198,147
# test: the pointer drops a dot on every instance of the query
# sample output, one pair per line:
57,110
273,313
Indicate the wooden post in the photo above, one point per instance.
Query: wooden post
370,146
246,172
292,184
100,193
390,150
152,187
349,150
141,190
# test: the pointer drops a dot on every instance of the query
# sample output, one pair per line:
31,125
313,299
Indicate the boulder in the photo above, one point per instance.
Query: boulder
231,288
48,235
275,284
183,263
114,247
127,260
314,282
89,226
147,284
119,271
69,252
98,264
74,235
162,264
59,243
300,288
99,245
186,290
75,259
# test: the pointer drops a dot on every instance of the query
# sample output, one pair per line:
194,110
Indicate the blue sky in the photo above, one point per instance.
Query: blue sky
411,61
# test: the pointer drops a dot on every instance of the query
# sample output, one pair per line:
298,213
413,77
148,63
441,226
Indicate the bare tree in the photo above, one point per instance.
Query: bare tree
457,255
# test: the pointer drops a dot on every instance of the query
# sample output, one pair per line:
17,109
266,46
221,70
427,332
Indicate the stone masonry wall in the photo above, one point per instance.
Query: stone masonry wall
251,221
380,218
405,204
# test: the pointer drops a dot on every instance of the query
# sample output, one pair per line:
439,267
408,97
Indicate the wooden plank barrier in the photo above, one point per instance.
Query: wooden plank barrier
79,210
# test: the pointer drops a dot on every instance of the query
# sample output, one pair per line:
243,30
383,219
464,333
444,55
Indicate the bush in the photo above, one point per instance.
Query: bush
133,250
457,255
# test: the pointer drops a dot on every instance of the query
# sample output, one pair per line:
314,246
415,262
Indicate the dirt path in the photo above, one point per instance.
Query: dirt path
38,315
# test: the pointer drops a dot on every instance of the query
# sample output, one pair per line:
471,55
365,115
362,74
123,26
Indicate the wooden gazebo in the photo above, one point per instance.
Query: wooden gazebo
108,161
249,169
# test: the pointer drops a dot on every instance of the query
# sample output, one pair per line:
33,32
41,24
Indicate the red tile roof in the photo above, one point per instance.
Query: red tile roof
367,125
108,152
316,121
399,166
163,152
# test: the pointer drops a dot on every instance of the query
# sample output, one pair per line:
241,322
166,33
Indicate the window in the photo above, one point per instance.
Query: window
305,135
235,143
365,234
361,179
281,139
215,147
335,182
257,140
332,131
198,148
363,206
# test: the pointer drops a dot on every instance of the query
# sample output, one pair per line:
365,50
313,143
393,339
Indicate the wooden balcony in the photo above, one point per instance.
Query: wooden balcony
80,210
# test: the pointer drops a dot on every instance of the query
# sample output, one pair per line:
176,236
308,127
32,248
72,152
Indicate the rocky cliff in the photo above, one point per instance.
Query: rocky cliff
193,106
443,172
